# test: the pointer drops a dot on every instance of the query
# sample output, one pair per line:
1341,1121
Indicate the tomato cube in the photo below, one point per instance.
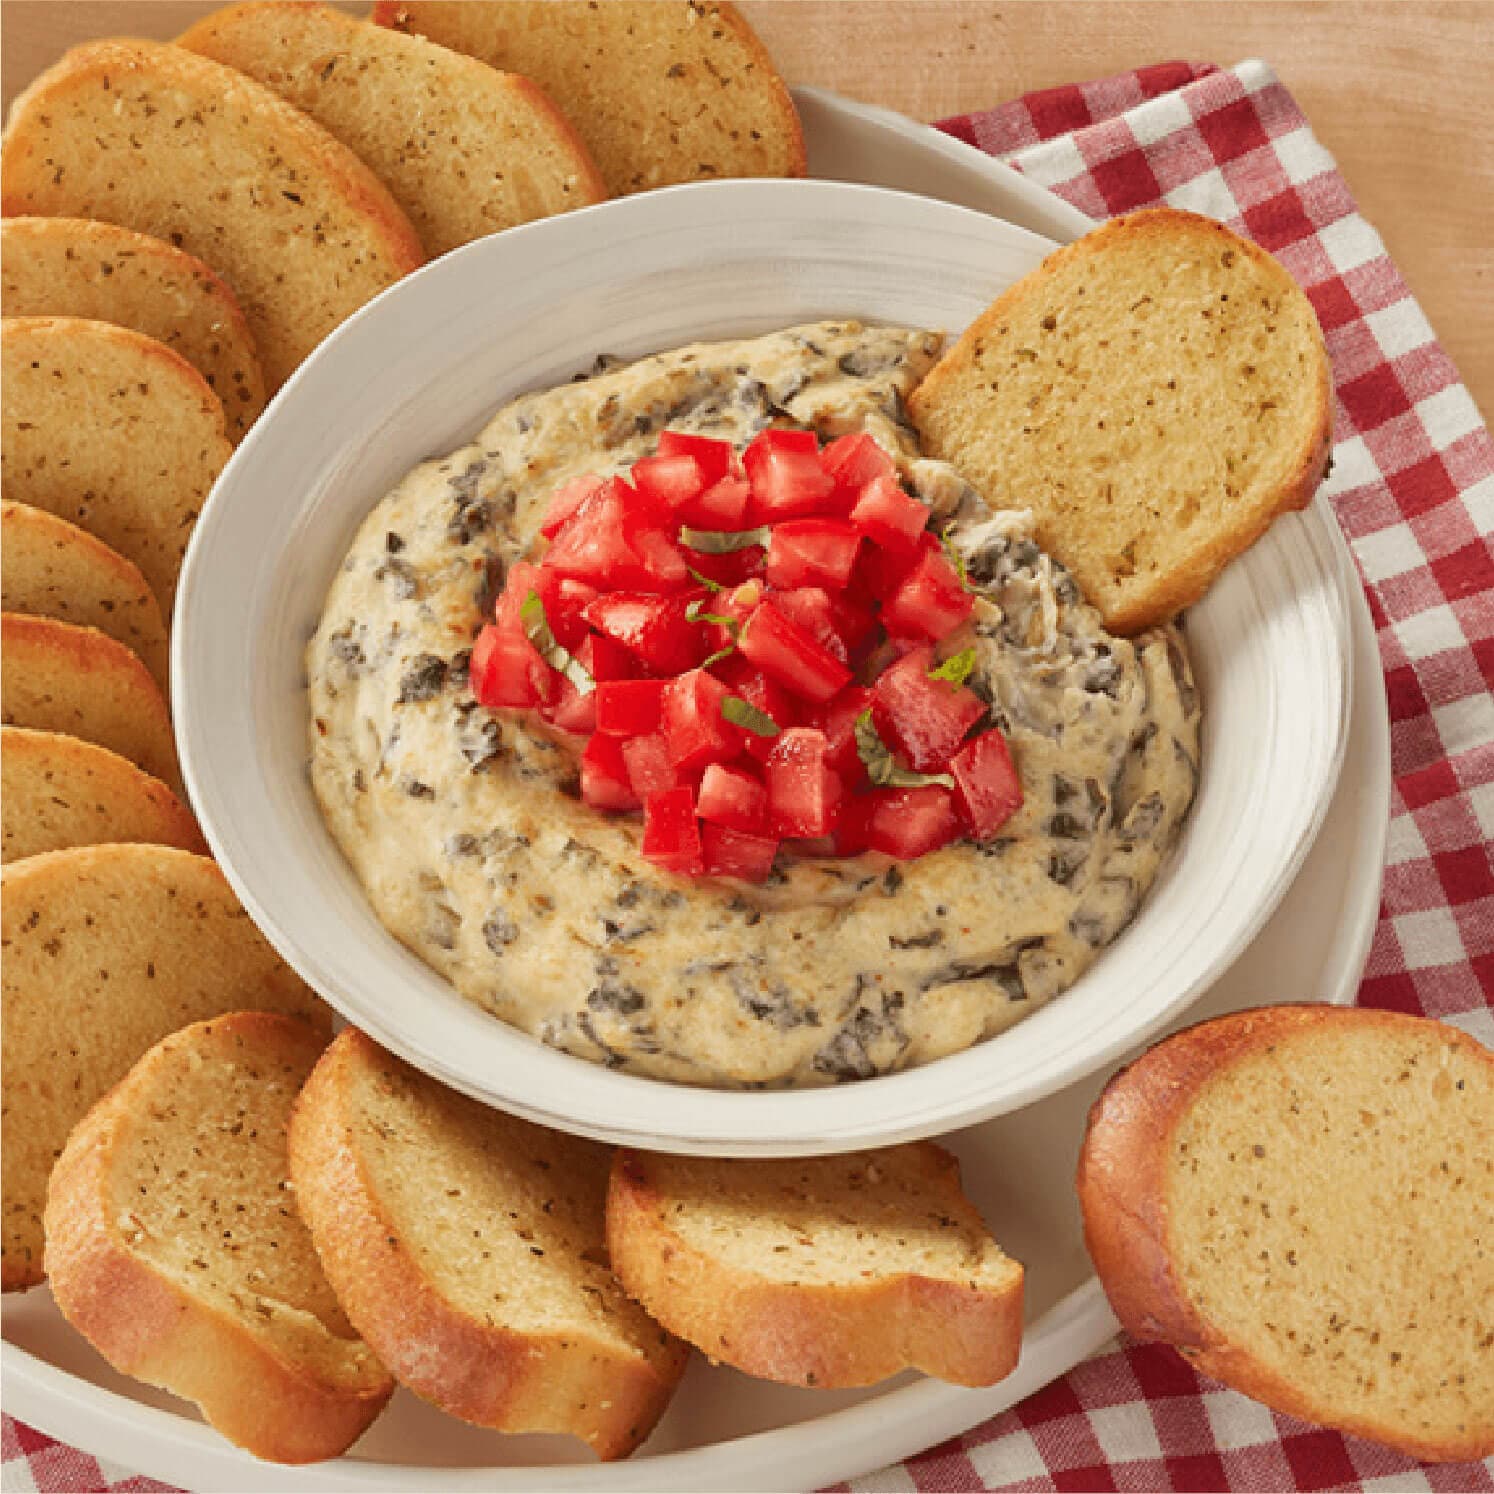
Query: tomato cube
661,561
571,710
713,457
629,708
723,505
734,853
837,719
522,579
592,545
506,672
566,500
730,569
987,788
671,833
786,475
606,659
888,516
879,571
931,601
812,612
753,686
669,481
694,728
812,552
909,822
789,655
855,460
604,776
923,718
649,768
804,791
654,628
733,797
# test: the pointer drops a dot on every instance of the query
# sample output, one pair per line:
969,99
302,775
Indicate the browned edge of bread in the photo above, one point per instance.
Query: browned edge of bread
825,1335
151,1327
484,1374
1121,1182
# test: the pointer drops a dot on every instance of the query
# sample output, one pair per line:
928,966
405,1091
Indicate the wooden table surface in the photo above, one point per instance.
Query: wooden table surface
1399,92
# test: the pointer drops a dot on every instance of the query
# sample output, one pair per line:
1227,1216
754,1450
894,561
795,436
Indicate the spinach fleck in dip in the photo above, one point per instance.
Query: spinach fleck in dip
468,835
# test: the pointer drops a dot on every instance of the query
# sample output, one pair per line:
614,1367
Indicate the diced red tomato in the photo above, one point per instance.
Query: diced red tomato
909,822
671,833
888,516
730,569
855,460
812,552
604,776
757,689
931,602
522,579
812,612
507,674
788,654
925,719
987,788
606,659
629,708
592,545
662,561
734,853
694,727
649,768
786,475
804,791
654,628
837,719
564,502
880,571
714,457
572,711
733,797
723,505
852,834
670,481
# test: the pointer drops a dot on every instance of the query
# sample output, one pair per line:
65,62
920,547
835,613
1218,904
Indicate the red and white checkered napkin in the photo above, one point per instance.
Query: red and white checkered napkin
1413,487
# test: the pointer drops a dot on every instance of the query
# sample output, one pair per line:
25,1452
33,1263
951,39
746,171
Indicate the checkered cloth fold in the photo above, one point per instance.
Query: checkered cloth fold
1413,487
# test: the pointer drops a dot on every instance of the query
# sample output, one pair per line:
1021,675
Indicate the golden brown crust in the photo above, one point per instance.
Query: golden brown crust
1184,585
1122,1187
484,1374
826,1335
147,1325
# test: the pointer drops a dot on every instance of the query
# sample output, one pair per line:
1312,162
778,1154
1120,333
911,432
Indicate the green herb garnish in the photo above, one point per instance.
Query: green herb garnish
882,767
956,560
695,615
723,541
537,631
743,713
705,581
957,668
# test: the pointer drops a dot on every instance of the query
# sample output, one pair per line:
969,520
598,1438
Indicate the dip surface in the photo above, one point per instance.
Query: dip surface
466,831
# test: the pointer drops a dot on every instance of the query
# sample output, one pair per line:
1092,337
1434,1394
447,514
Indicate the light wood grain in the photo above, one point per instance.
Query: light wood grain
1399,92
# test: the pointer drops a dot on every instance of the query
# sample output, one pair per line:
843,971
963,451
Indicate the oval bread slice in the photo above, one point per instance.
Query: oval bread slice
1301,1200
58,791
823,1271
107,950
466,1246
80,682
51,568
1156,393
175,1249
157,139
464,149
73,267
661,91
111,430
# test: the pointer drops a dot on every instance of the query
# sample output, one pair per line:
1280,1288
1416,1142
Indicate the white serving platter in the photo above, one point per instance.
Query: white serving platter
725,1431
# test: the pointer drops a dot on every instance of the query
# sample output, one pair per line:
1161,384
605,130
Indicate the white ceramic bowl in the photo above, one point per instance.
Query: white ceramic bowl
420,369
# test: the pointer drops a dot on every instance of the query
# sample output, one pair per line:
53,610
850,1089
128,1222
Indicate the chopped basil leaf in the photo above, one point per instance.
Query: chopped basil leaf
957,668
537,631
705,581
723,541
881,766
695,615
718,656
956,560
743,713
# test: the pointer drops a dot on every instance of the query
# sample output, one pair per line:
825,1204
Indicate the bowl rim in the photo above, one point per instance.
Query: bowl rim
780,1122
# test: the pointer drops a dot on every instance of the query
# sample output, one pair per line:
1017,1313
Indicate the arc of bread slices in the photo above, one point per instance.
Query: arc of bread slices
466,1246
157,139
174,1247
80,682
1157,393
101,272
108,949
821,1271
660,92
50,568
464,149
111,430
58,791
1300,1199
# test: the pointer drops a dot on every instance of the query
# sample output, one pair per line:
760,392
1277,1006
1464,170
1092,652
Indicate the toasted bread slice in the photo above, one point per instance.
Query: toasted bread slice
464,149
1301,1200
57,792
661,91
466,1246
51,568
107,950
82,683
175,1249
823,1271
1156,393
163,141
111,430
73,267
